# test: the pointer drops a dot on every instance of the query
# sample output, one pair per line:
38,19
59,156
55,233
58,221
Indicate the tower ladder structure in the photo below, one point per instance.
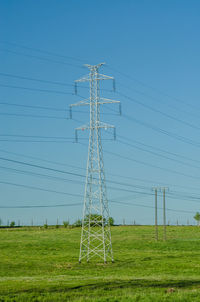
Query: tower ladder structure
95,234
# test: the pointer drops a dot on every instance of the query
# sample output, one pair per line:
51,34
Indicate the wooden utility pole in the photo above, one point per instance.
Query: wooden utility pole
163,190
156,212
164,216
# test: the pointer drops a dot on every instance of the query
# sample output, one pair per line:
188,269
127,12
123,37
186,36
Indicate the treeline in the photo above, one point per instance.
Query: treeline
93,220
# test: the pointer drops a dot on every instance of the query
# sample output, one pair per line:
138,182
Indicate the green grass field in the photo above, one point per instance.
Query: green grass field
42,265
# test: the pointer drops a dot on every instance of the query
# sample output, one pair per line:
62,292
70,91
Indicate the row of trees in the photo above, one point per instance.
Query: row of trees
11,224
93,218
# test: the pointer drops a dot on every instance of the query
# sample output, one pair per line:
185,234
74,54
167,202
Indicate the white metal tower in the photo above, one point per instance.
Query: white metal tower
95,235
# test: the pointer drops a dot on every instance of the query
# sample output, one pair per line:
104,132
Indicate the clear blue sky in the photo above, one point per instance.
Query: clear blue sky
152,49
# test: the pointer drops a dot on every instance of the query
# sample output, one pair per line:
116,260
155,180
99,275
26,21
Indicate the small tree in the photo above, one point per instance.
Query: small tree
46,224
95,220
66,224
12,224
0,221
78,223
111,221
197,218
57,224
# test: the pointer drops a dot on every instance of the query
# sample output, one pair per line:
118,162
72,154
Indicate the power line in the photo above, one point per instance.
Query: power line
139,179
30,173
79,182
58,83
41,159
77,167
151,207
60,171
78,204
151,165
42,51
153,88
40,58
192,198
41,167
174,194
39,189
35,141
75,204
176,119
35,80
171,134
41,206
41,108
37,136
33,116
161,150
64,56
160,130
158,100
34,107
157,154
38,80
36,89
43,81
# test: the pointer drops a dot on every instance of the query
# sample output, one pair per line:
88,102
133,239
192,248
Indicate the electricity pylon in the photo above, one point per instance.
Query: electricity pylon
95,234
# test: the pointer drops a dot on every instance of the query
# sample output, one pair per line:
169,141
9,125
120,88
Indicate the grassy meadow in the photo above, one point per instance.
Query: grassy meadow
38,264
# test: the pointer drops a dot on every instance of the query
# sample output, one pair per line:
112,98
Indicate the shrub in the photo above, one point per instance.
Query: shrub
12,224
78,223
66,223
111,221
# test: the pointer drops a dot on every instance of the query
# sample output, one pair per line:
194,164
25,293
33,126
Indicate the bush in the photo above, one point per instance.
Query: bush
111,221
66,223
12,224
95,220
78,223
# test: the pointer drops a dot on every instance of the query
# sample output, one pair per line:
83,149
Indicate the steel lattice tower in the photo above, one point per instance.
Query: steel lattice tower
95,235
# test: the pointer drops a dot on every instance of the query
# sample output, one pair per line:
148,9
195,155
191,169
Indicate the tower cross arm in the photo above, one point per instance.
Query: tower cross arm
100,77
107,101
81,103
83,127
83,79
104,77
98,125
104,125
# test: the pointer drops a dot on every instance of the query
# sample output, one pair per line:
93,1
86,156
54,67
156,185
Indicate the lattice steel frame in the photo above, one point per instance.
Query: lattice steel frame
95,234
